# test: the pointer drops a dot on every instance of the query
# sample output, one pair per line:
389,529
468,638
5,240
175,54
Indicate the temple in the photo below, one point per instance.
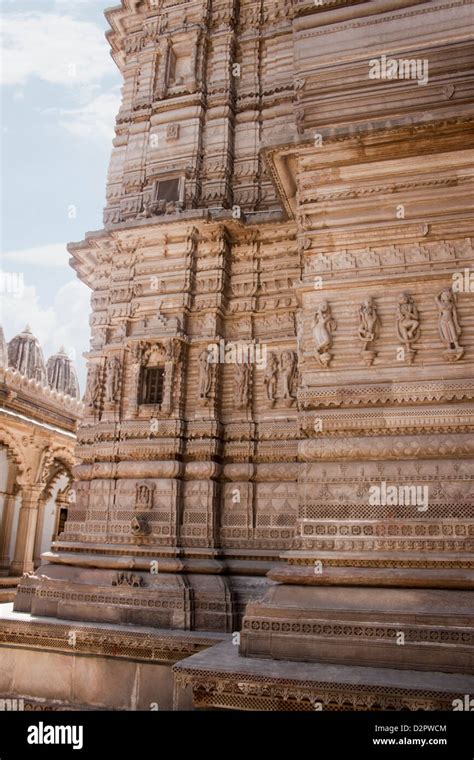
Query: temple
273,500
39,413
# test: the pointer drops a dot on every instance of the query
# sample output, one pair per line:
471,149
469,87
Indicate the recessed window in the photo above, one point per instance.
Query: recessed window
168,190
151,391
61,521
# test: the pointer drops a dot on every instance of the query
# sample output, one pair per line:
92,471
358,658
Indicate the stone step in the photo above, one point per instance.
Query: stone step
424,629
320,573
221,678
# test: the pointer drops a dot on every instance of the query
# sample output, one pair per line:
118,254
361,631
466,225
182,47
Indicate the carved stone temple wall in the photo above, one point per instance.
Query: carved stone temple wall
269,193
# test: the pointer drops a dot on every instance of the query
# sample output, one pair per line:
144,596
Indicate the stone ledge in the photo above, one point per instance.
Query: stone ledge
220,678
123,641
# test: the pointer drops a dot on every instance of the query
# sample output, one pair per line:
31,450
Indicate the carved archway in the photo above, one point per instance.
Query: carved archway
15,453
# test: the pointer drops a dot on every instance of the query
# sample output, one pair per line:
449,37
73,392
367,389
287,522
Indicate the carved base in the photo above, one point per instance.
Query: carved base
409,355
220,678
368,356
418,629
454,354
161,599
324,358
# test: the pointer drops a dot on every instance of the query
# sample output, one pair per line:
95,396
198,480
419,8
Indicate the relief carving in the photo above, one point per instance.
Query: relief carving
93,393
287,374
369,326
144,495
408,325
323,328
128,579
242,376
206,371
271,377
448,325
114,379
281,376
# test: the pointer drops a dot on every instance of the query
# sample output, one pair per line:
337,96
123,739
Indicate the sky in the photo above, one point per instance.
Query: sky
59,94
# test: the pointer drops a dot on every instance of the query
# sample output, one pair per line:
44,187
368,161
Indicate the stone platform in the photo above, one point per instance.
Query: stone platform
219,678
67,665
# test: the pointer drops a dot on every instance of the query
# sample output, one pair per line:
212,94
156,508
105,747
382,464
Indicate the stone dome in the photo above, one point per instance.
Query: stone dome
62,375
26,356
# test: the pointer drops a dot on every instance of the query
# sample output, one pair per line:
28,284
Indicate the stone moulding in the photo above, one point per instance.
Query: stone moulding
15,379
147,645
388,448
253,691
386,393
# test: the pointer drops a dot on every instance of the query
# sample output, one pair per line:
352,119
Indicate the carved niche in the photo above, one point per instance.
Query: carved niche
158,368
144,495
280,377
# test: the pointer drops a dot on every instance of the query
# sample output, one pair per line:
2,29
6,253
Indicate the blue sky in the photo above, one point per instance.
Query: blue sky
60,92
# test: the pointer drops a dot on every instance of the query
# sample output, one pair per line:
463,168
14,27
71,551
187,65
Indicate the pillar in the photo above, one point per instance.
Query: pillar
26,532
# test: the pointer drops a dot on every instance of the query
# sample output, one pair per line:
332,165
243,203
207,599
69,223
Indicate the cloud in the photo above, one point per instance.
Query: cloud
94,120
55,48
54,255
64,322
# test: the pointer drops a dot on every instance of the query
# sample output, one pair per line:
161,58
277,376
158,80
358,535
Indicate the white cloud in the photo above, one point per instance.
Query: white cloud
54,255
94,120
65,322
55,48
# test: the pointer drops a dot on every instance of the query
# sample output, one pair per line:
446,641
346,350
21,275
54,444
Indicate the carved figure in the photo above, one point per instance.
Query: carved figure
368,330
271,376
205,374
114,376
94,387
242,384
448,324
323,328
287,373
368,322
408,322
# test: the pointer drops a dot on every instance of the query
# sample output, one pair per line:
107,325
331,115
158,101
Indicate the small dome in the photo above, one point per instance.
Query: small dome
25,355
62,375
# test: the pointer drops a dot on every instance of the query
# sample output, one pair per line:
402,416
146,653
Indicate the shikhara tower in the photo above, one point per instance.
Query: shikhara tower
264,189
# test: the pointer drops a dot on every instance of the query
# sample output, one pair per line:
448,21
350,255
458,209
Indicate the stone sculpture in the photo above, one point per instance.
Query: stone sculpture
408,325
323,328
369,324
114,376
448,324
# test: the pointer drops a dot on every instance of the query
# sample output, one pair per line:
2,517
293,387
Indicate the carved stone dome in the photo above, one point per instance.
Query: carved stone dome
25,355
62,375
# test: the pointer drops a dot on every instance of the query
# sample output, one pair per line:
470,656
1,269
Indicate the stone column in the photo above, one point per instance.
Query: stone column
26,533
6,530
